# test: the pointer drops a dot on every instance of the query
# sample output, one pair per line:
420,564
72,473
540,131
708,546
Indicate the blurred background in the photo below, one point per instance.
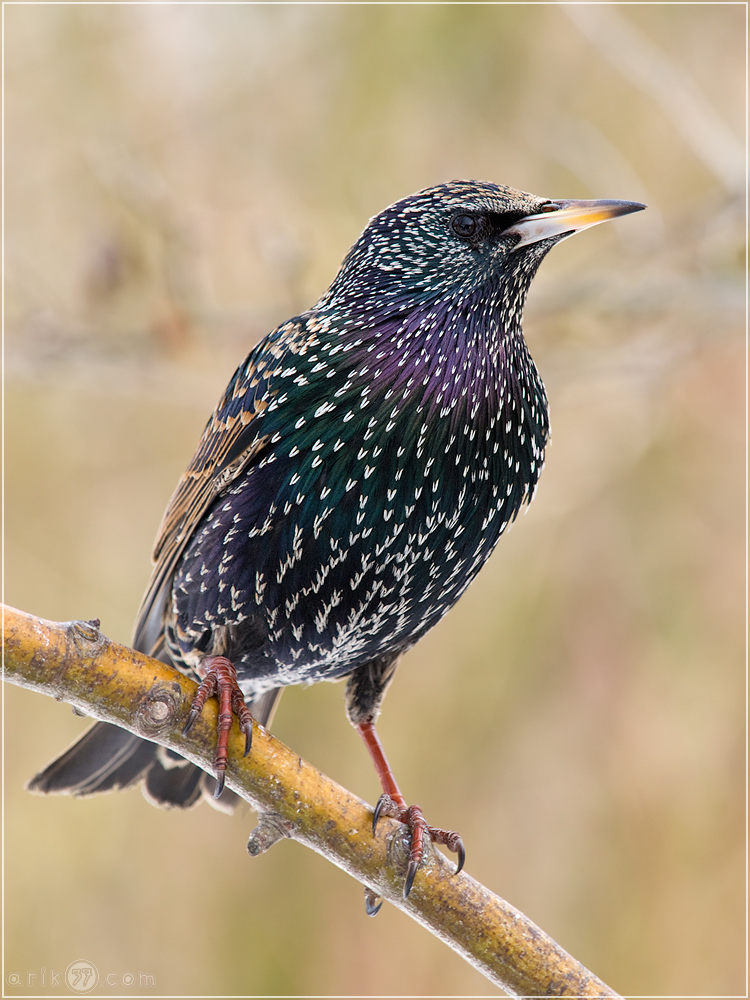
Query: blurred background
180,179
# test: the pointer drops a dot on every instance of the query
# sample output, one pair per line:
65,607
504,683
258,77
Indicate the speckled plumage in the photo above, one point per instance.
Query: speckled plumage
384,461
364,459
382,441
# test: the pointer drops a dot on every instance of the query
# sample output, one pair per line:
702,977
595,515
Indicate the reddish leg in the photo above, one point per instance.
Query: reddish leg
392,803
220,678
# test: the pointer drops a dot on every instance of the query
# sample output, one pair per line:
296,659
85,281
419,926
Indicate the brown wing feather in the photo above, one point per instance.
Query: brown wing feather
204,479
229,442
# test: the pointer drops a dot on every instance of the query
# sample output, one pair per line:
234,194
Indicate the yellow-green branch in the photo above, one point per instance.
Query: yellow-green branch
74,662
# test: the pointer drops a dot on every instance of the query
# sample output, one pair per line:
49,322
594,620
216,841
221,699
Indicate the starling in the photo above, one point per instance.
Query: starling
355,476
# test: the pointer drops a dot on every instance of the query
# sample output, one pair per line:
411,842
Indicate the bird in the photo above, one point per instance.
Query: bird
355,476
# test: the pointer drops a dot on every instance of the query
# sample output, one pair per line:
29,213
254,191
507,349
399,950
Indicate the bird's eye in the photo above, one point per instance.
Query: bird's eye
465,226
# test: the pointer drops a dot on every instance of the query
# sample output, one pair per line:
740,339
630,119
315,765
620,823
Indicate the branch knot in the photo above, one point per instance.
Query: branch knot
270,829
86,635
157,711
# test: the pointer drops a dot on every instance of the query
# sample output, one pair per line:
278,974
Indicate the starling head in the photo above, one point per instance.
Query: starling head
454,239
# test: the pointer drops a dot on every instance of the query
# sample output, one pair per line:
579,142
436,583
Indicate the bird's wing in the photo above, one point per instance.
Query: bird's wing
231,440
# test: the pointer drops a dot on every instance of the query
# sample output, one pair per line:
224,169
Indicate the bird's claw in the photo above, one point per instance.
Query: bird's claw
373,902
220,678
451,840
420,833
385,806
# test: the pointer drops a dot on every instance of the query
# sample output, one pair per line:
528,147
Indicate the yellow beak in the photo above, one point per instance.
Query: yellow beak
564,218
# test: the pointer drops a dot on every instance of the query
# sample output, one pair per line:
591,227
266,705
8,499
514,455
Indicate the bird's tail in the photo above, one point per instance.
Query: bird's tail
106,758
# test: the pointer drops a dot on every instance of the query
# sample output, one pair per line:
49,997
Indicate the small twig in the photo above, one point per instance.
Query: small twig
74,662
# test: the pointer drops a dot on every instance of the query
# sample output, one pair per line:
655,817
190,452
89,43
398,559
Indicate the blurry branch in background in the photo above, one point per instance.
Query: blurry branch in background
641,62
74,662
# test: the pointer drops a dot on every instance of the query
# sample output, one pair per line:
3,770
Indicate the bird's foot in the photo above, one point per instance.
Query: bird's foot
420,833
220,678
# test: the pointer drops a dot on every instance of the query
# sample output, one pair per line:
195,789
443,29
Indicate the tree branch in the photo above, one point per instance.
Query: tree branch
74,662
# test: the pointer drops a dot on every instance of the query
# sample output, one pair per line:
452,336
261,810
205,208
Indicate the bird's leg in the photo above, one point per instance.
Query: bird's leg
220,678
392,803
